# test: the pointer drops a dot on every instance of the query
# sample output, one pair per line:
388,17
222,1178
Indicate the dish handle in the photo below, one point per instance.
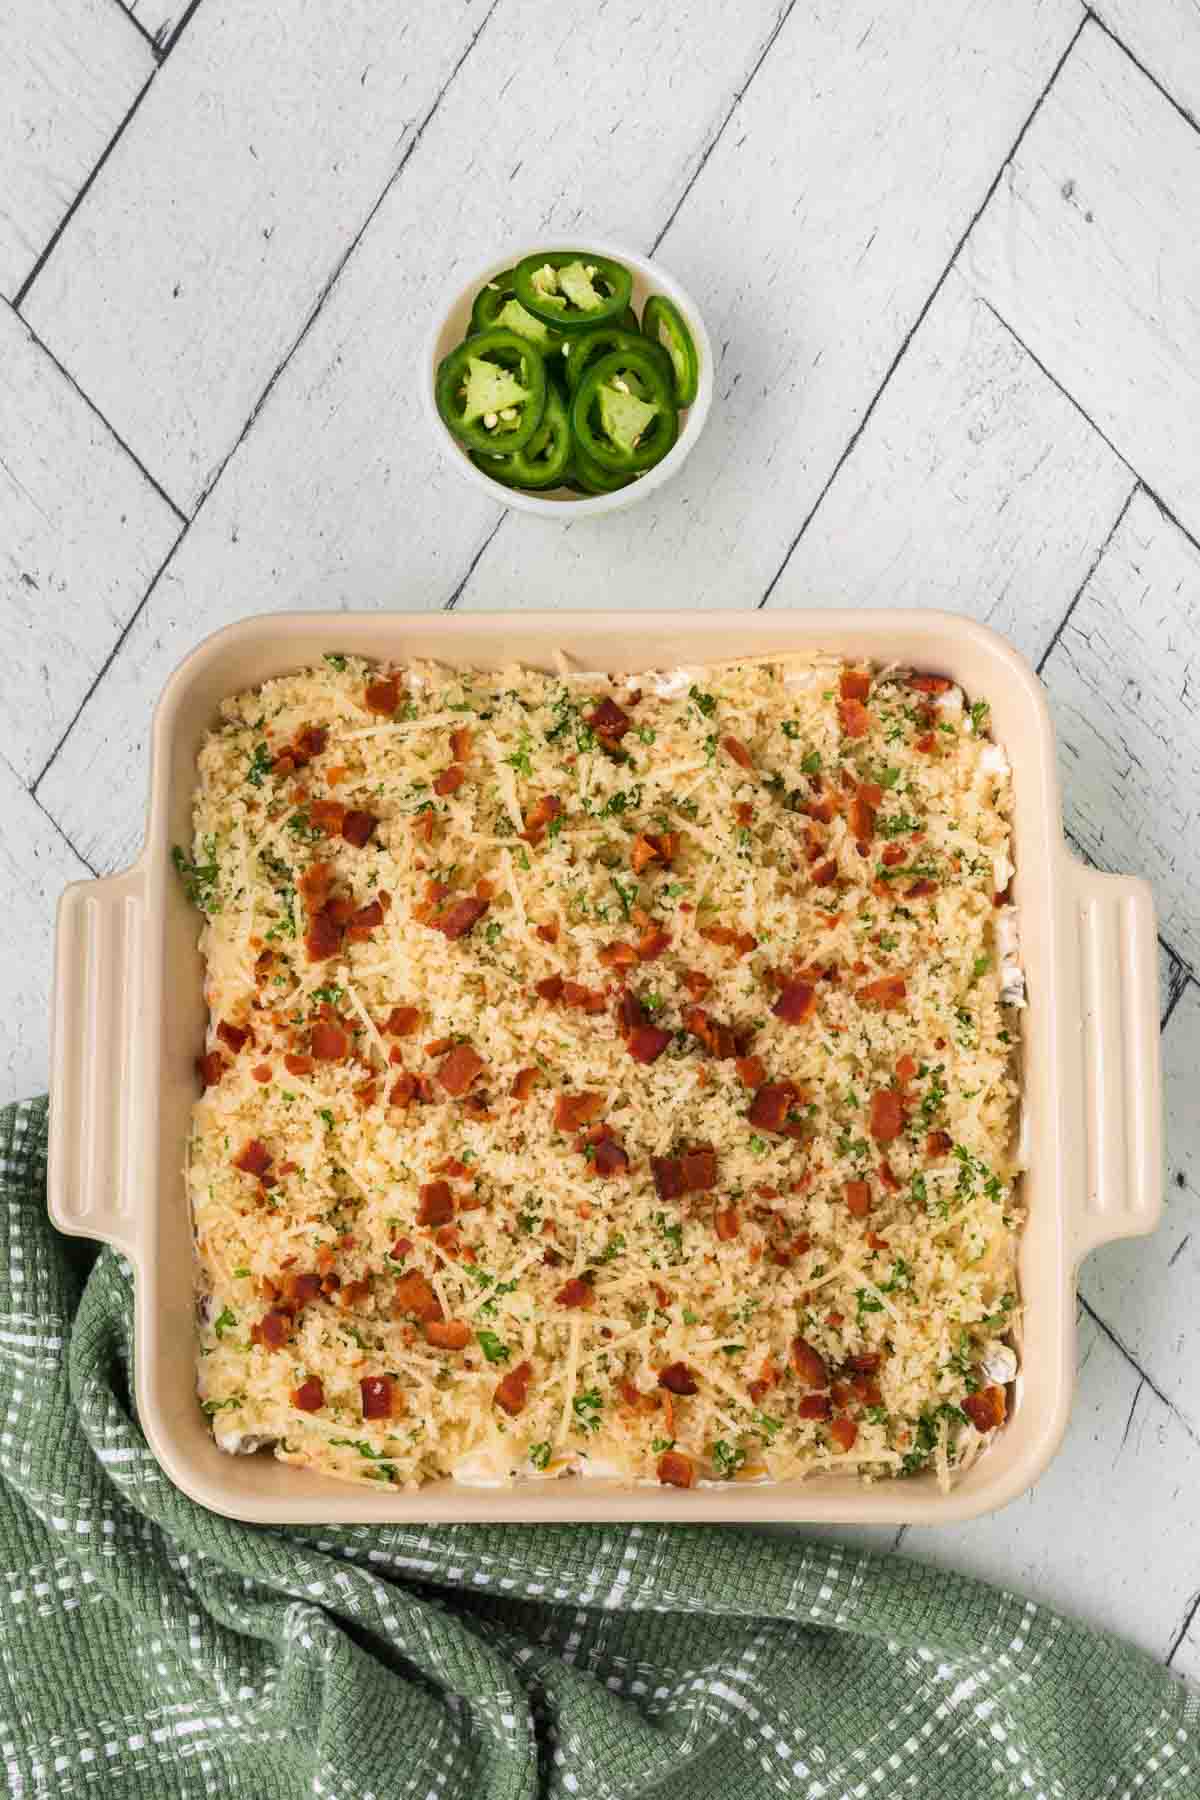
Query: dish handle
1112,933
97,1087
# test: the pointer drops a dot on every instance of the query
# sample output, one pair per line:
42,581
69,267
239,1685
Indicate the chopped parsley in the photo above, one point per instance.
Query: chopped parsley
492,1347
587,1408
200,877
539,1455
726,1460
260,765
225,1323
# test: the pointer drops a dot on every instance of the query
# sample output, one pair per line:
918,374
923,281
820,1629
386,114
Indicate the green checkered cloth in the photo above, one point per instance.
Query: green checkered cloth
150,1648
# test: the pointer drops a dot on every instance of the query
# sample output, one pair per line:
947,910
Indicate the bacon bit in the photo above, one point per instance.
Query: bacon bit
462,1067
844,1432
364,921
642,852
718,1040
887,1115
938,1143
930,684
589,1000
856,720
329,1042
272,1330
539,816
357,827
875,1242
300,1288
461,742
696,984
233,1035
403,1090
400,1249
675,1469
854,684
826,874
365,1093
920,889
323,938
513,1391
646,1043
378,1396
309,743
744,812
893,855
310,1395
809,1364
439,1046
550,988
772,1103
573,1111
926,743
210,1067
576,1293
524,1082
610,1157
618,956
423,825
447,1334
814,1406
751,1071
253,1158
436,1203
450,780
699,1171
727,1223
652,943
858,1199
459,918
906,1068
888,1178
986,1409
448,1239
383,696
668,1177
610,723
327,816
862,813
737,750
889,992
261,1072
797,1000
298,1065
548,932
678,1379
414,1295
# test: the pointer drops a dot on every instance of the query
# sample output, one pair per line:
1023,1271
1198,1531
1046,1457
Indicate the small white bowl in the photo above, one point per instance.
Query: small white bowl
450,328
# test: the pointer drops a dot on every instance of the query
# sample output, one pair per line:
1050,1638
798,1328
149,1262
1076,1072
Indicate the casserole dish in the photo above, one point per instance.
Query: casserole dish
129,1016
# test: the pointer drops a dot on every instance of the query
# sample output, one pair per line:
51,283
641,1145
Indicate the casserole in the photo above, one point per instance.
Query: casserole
129,1015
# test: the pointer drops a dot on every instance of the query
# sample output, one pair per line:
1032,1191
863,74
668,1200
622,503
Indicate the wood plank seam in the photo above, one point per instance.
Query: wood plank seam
308,324
155,48
919,320
1111,1335
93,408
1178,989
1140,479
1141,67
781,20
1190,1614
87,863
474,563
111,145
1094,565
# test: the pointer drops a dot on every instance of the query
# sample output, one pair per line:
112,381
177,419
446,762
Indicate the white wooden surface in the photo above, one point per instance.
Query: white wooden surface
948,256
69,72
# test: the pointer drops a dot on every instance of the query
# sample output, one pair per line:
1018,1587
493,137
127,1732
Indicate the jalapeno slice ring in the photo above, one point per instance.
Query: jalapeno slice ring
592,479
587,347
496,376
546,458
623,413
570,288
663,325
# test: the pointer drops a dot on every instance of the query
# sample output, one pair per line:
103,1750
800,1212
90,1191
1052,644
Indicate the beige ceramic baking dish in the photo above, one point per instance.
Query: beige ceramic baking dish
129,1019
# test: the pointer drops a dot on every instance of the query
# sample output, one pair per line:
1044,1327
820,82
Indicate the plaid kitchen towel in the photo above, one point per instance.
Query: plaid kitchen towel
150,1648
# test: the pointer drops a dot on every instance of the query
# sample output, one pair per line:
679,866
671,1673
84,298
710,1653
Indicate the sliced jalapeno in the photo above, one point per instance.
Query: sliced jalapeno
491,391
592,479
662,323
623,413
570,288
545,459
586,347
497,307
490,298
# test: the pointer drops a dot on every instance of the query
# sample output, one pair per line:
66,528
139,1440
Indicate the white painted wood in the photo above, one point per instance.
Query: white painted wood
81,533
811,241
69,72
35,866
1164,35
258,153
161,18
1089,251
1145,1290
953,496
1124,680
1108,1535
336,497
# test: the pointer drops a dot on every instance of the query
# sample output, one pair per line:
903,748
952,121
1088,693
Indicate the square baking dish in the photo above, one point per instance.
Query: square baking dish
129,1017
